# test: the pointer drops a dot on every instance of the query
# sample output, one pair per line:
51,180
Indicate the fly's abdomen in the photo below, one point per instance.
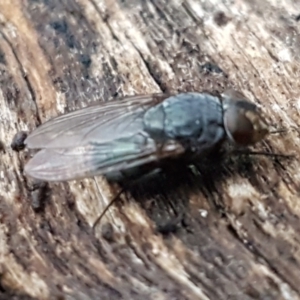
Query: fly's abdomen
196,119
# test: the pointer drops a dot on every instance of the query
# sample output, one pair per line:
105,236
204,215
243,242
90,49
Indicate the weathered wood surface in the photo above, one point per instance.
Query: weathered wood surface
240,236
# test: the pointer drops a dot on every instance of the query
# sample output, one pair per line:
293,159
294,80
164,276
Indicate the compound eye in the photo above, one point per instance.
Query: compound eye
243,123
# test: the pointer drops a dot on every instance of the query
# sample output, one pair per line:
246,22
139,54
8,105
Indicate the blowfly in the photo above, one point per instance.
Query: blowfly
141,132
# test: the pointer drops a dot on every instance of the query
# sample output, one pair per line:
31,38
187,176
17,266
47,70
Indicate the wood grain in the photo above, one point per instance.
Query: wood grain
239,235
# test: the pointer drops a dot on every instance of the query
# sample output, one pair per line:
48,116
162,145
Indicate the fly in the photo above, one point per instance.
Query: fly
140,132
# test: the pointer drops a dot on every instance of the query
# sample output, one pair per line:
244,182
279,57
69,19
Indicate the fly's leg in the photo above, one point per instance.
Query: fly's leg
114,199
128,185
275,155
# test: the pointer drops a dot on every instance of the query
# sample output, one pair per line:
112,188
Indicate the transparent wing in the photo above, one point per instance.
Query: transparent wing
104,122
99,158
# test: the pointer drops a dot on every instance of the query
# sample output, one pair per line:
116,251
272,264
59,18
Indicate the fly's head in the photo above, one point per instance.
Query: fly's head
244,123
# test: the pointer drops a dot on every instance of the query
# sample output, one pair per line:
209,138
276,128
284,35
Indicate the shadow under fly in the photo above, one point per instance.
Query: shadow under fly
165,196
139,134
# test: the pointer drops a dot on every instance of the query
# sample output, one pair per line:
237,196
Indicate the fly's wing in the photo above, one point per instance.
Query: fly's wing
97,140
62,164
99,123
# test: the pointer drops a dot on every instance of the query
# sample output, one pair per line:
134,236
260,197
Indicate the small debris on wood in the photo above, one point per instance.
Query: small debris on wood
38,195
210,67
2,146
221,19
297,18
107,232
17,143
171,226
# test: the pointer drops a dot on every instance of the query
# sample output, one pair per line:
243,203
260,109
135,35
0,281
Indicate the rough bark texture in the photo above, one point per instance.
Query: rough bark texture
239,238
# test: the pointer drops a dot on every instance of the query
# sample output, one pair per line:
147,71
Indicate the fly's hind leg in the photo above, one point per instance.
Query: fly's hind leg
126,185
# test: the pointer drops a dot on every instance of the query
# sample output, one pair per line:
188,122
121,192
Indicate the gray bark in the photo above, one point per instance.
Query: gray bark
239,238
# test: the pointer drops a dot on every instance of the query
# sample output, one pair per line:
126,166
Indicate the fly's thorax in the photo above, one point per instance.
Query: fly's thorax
244,123
195,119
